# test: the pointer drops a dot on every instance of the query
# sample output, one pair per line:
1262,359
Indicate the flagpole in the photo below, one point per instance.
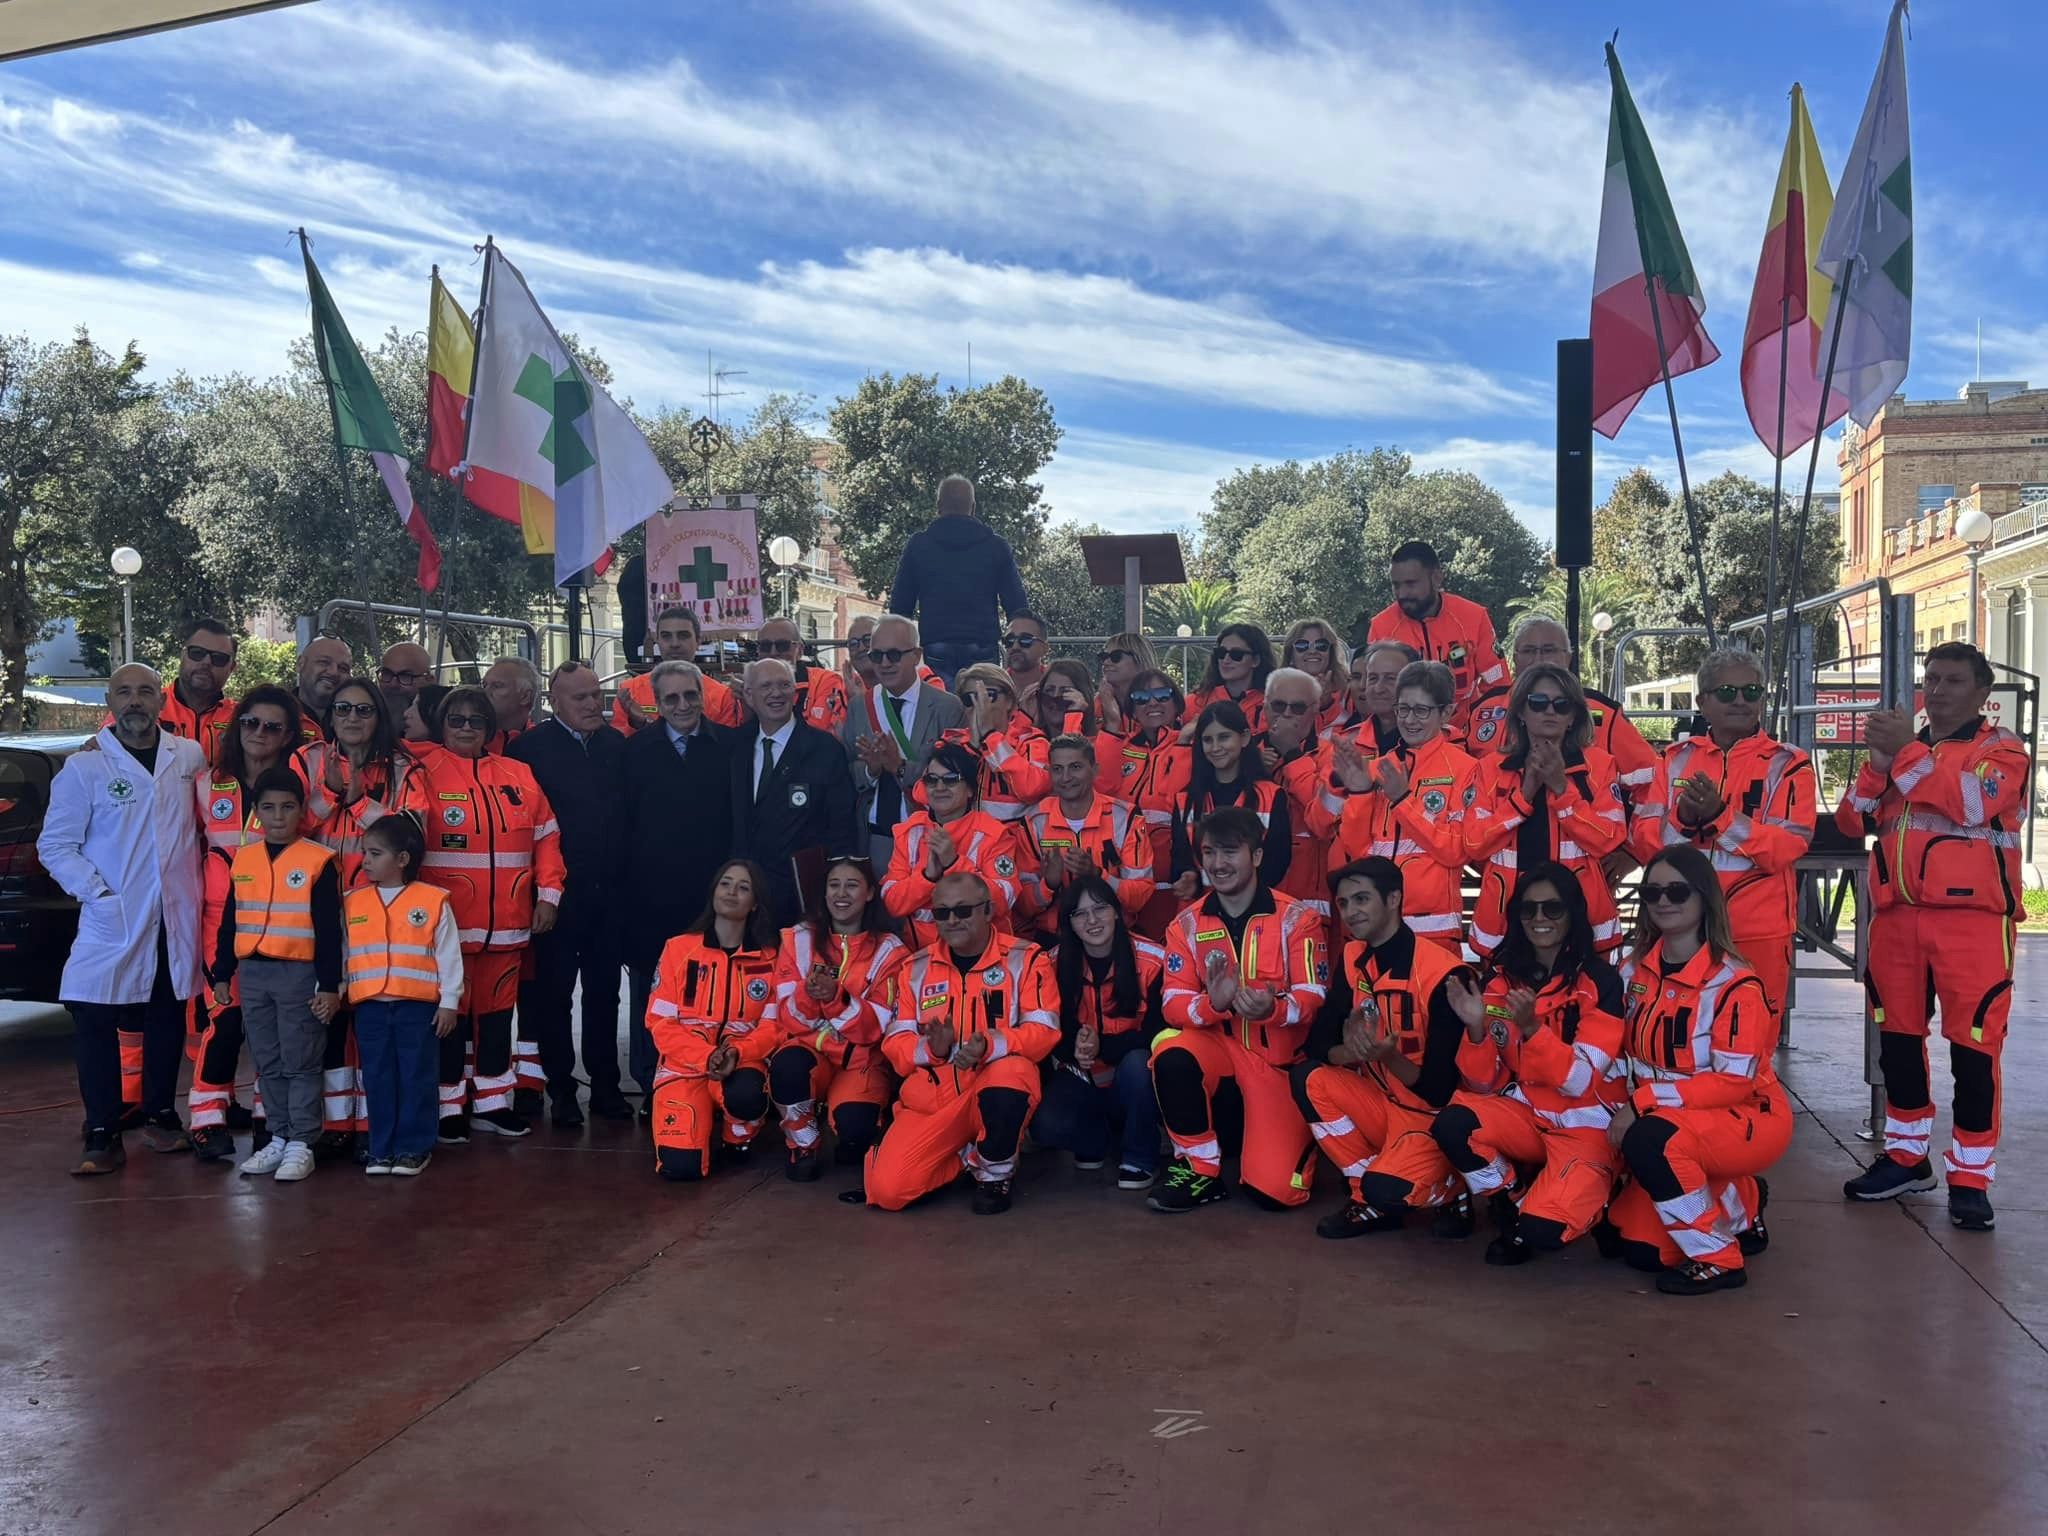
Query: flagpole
1827,384
1777,476
428,399
1692,522
476,356
348,505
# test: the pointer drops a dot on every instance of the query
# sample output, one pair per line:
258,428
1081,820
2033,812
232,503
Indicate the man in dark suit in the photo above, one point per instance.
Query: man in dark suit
892,731
575,759
791,789
675,829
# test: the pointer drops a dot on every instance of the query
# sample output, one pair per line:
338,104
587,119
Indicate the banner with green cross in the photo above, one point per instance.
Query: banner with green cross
704,554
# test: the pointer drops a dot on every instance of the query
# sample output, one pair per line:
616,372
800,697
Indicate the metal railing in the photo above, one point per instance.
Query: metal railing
528,633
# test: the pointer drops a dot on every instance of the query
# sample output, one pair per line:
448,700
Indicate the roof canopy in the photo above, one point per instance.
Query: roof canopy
29,27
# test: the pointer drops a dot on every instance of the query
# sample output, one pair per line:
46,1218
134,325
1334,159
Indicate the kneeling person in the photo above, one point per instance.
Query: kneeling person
975,1013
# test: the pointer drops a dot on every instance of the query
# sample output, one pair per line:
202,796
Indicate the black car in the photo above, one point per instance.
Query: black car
38,920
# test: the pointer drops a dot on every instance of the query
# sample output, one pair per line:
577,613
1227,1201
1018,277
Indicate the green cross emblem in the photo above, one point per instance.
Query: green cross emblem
703,571
565,397
121,790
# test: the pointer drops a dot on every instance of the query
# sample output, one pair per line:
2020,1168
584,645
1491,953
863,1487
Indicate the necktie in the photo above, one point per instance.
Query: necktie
767,764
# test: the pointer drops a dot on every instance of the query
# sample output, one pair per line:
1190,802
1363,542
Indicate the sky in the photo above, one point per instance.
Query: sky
1215,235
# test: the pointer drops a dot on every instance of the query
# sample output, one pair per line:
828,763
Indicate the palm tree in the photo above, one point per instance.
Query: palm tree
1626,598
1195,607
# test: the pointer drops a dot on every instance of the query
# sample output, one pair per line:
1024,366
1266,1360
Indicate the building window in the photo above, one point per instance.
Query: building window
1859,530
1933,496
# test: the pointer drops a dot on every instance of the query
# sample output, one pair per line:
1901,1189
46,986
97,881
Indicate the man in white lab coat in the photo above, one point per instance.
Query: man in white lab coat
121,836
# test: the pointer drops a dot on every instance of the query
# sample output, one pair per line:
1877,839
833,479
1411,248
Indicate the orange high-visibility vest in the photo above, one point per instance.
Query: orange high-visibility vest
274,899
391,948
1403,1002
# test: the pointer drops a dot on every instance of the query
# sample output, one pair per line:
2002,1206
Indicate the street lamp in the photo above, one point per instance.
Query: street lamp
785,552
1603,621
1973,526
127,564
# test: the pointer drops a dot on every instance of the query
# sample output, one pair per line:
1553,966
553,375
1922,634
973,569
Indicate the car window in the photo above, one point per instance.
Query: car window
24,794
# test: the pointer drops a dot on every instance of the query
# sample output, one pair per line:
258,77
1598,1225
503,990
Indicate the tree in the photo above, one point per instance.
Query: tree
1240,504
1203,606
899,437
1489,555
1619,523
264,661
1304,559
1622,595
1056,581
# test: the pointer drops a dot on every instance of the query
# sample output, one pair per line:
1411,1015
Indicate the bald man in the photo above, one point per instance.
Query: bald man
323,667
404,671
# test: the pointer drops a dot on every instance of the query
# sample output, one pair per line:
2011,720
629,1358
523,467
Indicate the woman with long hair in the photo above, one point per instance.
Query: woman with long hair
1550,795
1097,1083
422,710
1705,1115
1012,748
360,775
1227,771
1314,646
1238,668
712,988
262,734
1539,1042
1117,666
951,835
1147,768
1063,703
829,1006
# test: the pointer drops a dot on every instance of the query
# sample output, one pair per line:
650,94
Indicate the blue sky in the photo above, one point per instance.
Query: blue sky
1215,235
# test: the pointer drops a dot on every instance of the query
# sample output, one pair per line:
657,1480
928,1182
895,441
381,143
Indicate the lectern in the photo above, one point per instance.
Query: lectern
1134,561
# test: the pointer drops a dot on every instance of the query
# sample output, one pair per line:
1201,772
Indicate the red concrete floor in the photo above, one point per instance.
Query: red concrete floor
540,1337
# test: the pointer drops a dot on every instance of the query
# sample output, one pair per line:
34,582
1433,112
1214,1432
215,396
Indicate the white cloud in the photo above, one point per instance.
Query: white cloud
74,122
1135,484
209,329
142,261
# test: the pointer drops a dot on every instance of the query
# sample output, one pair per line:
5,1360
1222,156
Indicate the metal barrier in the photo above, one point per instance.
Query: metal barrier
527,632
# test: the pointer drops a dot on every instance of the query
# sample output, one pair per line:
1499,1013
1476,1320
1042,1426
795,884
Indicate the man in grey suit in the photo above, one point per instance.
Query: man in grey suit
891,732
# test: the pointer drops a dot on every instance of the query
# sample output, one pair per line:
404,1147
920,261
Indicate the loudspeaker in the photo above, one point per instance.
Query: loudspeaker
1574,453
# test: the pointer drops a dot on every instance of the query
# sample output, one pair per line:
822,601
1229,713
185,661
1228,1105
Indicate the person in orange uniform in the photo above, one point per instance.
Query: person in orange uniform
975,1012
1300,763
1147,769
1227,770
951,834
1238,668
1705,1115
1012,749
1408,804
1440,625
1538,640
1943,809
196,707
1382,1061
1551,795
1535,1058
1315,649
493,846
1245,973
830,1004
708,1015
1367,719
676,638
1075,834
821,696
1744,800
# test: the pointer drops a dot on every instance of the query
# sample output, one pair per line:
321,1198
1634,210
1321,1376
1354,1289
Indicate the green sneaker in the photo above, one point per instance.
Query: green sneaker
1183,1189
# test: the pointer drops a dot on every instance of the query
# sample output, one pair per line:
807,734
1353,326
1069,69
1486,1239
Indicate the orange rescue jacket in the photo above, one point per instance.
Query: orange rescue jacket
1764,827
1281,948
1696,1036
1560,1070
1008,994
1113,837
492,845
1460,636
981,846
705,997
1579,829
1423,833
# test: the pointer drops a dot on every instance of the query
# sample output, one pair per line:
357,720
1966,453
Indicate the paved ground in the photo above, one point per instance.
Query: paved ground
541,1337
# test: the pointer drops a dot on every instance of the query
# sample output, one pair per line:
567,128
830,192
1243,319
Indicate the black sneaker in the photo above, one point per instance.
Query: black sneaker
453,1131
1888,1178
1089,1164
238,1116
854,1196
378,1166
1697,1279
165,1134
1970,1208
731,1154
1453,1219
1131,1176
330,1146
103,1153
1508,1250
411,1165
1356,1220
803,1167
991,1198
501,1122
213,1145
1756,1237
1183,1189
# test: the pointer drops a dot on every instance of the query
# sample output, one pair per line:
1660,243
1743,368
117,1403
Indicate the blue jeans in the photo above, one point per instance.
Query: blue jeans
401,1059
948,657
1075,1115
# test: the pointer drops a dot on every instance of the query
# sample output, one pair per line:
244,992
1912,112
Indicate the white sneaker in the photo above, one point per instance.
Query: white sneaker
265,1161
296,1164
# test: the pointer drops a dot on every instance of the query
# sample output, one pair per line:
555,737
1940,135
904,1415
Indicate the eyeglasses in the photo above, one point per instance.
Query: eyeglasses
1550,909
957,914
345,711
776,647
1090,914
1410,711
1022,642
1104,658
943,780
1555,703
392,679
860,642
203,653
1232,653
1288,706
890,657
1151,696
466,722
263,727
678,700
1311,647
1728,692
1676,894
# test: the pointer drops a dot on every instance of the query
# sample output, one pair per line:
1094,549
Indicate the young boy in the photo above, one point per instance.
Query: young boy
282,935
405,984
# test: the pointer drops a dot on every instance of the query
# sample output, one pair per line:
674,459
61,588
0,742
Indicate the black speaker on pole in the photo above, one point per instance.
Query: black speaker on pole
1574,453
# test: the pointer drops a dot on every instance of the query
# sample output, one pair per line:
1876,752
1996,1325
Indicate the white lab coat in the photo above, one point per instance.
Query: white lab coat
128,847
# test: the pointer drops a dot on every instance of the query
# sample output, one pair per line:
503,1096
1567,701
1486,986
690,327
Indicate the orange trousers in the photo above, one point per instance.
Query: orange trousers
947,1120
1771,958
1695,1173
688,1109
1384,1148
1489,1137
1919,957
855,1089
1277,1160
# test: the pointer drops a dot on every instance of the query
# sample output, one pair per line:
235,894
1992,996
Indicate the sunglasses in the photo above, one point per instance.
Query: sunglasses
348,711
263,727
1550,909
890,657
1288,706
677,700
943,780
1232,653
1555,703
1311,647
393,679
466,722
1104,658
776,647
1727,693
1676,894
202,653
957,914
860,642
1023,642
1151,696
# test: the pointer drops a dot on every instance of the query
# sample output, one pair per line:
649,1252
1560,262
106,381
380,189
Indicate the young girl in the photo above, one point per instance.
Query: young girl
1225,771
404,981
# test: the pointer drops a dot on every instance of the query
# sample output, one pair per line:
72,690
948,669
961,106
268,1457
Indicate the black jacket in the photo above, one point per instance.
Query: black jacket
581,781
807,802
957,569
675,829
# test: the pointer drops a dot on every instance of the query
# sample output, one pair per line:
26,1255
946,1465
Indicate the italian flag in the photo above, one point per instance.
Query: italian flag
451,362
361,418
1642,278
